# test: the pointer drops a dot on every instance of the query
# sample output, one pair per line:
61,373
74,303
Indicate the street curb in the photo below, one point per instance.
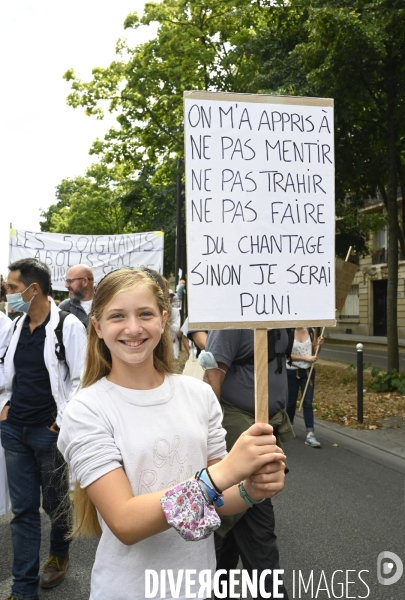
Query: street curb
391,455
363,340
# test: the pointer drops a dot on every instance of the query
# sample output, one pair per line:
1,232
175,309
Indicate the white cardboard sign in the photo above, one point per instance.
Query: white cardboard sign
102,253
260,210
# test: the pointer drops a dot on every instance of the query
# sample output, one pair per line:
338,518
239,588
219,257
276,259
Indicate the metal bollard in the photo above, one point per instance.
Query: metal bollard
359,349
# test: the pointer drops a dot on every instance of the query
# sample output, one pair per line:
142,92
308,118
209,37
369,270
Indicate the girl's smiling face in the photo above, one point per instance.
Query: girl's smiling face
131,326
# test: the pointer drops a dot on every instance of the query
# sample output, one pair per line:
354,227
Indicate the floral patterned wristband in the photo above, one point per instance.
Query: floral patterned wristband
187,510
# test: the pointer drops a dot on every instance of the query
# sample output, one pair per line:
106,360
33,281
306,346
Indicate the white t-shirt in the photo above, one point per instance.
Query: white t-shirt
184,327
86,305
175,324
160,437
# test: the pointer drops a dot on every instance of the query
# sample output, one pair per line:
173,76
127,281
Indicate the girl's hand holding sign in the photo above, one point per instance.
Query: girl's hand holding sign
256,459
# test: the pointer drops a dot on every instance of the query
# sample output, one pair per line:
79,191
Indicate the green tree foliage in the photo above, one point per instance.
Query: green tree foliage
355,53
150,205
86,205
105,202
195,48
228,46
350,51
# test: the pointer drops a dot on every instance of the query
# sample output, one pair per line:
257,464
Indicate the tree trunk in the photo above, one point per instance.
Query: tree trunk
401,174
392,259
401,236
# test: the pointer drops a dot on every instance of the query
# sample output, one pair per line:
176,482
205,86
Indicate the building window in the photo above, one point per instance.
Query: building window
351,307
379,255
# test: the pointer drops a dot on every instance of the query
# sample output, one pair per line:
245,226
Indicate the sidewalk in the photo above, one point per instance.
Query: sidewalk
371,339
386,445
388,442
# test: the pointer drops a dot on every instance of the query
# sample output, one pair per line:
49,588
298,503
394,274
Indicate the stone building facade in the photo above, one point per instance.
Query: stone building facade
365,310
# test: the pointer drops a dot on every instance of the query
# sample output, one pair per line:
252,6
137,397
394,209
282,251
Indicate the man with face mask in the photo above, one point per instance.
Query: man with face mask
37,388
80,284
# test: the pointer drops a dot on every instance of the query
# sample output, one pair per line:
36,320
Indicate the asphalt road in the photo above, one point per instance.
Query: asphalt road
76,585
338,512
376,356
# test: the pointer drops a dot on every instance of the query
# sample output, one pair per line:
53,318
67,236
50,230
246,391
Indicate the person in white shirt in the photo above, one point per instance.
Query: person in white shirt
41,374
135,435
80,284
184,339
302,358
6,325
175,321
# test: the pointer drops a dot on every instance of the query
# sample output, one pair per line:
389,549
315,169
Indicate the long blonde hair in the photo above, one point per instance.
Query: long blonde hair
99,362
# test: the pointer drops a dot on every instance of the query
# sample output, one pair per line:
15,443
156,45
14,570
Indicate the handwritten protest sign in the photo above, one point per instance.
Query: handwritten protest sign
260,210
103,253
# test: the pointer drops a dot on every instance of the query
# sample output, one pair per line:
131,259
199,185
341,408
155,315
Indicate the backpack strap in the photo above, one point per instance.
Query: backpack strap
291,332
287,353
15,327
59,346
273,336
16,323
67,308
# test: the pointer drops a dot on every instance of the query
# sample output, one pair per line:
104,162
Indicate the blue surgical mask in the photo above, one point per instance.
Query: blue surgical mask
17,303
207,361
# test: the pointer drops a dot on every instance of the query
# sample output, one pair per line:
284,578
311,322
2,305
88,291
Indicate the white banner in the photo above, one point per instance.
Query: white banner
102,253
260,209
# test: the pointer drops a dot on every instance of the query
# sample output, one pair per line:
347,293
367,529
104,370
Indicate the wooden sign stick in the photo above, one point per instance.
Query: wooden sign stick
317,350
261,376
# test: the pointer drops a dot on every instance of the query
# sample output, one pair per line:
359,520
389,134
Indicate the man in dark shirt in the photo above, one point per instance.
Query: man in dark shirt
37,387
80,284
251,535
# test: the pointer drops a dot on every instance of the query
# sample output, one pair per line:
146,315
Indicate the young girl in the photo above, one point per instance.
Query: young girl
302,358
136,431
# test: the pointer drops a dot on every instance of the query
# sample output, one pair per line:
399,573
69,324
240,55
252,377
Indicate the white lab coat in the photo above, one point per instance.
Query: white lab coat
6,326
64,377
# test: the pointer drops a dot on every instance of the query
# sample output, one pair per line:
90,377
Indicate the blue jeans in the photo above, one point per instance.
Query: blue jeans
34,462
297,379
